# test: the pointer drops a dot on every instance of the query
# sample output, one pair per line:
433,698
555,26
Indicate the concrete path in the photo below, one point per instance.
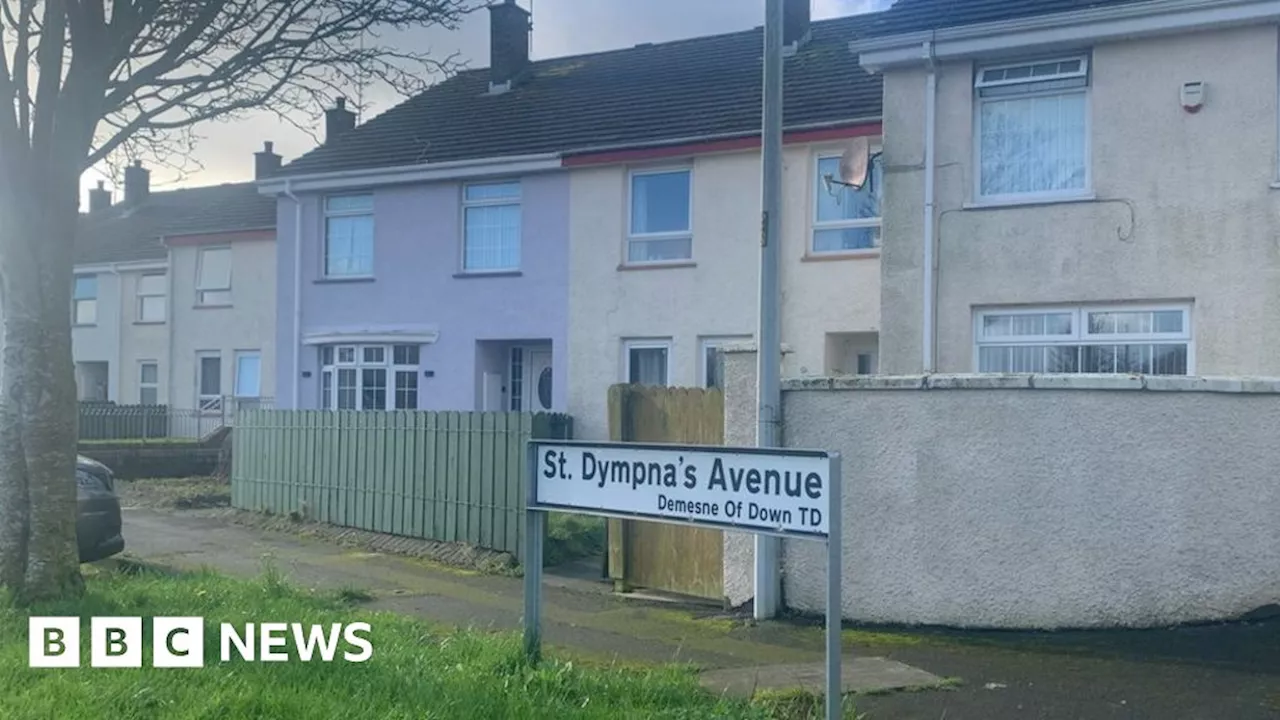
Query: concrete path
1217,672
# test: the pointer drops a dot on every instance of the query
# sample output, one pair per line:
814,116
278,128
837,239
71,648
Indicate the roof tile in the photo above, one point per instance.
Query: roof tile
126,233
706,86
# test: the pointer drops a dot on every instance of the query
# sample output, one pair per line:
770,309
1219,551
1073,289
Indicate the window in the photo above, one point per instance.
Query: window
148,383
709,372
661,225
1120,339
1032,129
517,378
209,381
84,303
151,298
348,236
369,377
647,362
846,219
213,276
248,374
491,227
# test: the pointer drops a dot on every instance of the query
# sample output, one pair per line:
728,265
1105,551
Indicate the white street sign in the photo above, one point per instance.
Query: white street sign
770,490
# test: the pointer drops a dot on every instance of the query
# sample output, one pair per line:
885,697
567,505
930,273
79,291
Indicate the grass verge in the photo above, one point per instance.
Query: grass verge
416,671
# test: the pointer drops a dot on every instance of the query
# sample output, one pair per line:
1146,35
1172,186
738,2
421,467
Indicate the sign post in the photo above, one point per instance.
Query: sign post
776,492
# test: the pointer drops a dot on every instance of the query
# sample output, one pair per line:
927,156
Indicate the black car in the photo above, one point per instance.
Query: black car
98,511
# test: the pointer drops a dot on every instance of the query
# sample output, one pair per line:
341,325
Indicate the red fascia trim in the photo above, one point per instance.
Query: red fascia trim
751,142
220,238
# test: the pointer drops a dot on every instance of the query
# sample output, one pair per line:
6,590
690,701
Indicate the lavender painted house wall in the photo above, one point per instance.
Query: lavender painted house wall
418,290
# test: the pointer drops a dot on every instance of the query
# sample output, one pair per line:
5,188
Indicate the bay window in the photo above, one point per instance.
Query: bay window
369,377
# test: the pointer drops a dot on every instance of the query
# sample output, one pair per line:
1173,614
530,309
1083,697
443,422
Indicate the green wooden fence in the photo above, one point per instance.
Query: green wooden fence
449,476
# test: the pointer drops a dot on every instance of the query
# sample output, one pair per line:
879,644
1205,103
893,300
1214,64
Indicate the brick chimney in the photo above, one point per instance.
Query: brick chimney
137,183
338,120
509,27
796,18
265,161
99,198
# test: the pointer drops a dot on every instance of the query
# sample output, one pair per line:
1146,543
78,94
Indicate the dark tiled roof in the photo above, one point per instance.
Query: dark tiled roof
909,16
674,90
124,233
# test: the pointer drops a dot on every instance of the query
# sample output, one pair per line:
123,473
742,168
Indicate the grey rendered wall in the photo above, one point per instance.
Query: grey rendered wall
1184,207
1040,502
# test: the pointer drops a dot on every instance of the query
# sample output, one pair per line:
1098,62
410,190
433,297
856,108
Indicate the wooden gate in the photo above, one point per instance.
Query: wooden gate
662,556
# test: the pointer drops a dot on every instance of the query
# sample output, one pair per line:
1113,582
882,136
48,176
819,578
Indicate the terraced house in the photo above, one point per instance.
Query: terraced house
523,236
665,228
174,297
1079,186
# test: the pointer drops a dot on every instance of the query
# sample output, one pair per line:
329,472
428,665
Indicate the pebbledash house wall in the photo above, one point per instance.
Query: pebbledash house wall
1035,502
417,287
1185,210
715,296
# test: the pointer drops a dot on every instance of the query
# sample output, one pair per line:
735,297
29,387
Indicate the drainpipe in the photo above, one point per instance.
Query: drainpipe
296,384
930,128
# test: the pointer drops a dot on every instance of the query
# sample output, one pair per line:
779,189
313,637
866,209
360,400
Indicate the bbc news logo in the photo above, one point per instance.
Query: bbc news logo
179,642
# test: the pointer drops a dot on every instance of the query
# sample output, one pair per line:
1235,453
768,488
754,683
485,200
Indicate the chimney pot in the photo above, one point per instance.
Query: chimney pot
137,183
338,120
265,161
99,198
509,26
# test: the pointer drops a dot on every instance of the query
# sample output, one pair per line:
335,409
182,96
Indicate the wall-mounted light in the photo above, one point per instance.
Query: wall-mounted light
306,373
428,373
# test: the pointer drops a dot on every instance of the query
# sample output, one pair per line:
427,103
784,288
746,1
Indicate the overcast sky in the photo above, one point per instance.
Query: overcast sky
560,27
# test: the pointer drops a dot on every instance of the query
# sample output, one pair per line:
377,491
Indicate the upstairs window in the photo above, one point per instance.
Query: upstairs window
1032,125
491,227
348,236
1120,339
846,219
152,304
661,220
213,277
84,300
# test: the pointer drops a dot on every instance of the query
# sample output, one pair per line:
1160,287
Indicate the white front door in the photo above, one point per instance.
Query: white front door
537,381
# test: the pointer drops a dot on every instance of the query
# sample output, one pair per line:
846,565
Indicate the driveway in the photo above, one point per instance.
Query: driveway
1210,673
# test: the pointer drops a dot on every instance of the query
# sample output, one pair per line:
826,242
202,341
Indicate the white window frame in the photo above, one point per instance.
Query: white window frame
235,380
1080,334
208,403
324,231
642,237
1086,71
75,301
705,344
819,187
359,364
650,344
144,385
202,300
516,201
163,296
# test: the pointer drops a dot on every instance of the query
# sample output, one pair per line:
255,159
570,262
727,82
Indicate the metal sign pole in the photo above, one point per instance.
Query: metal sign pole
533,533
834,595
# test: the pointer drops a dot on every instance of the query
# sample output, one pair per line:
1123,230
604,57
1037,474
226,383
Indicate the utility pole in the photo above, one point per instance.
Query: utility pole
769,337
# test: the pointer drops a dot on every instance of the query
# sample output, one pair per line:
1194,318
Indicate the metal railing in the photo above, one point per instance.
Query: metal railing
107,421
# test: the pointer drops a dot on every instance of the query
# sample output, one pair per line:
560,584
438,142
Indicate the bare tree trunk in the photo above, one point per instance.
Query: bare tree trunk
38,411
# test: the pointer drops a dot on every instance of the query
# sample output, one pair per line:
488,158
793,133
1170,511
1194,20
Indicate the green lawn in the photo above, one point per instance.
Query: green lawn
417,671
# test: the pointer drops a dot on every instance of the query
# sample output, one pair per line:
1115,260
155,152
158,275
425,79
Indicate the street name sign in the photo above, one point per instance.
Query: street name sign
773,491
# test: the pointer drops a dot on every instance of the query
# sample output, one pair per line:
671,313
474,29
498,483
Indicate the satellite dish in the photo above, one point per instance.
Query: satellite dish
854,162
